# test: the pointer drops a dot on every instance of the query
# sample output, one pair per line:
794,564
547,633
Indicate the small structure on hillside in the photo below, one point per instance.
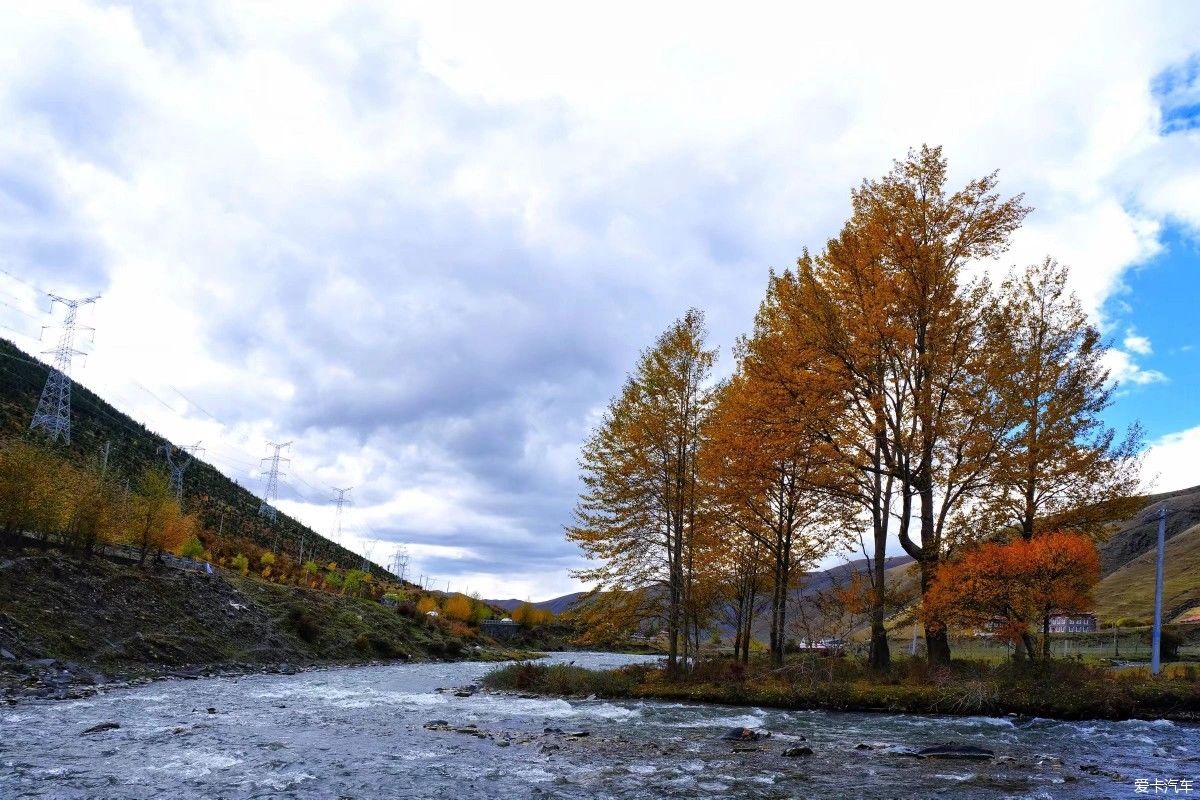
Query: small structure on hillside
1073,623
499,628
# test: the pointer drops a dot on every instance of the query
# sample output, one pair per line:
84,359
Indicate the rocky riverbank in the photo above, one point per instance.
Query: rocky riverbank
69,628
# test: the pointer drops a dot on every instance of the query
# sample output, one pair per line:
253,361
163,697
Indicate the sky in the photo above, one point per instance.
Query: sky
425,243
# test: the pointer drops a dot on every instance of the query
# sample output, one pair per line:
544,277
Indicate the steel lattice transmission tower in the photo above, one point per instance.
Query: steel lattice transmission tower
338,502
53,414
399,563
265,508
176,468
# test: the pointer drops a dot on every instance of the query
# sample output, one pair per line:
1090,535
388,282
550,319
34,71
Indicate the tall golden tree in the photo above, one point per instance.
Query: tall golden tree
34,489
1061,466
841,308
154,512
941,446
637,515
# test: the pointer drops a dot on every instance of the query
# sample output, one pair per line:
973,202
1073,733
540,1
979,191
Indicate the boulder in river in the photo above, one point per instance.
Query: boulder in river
792,752
966,752
103,726
745,734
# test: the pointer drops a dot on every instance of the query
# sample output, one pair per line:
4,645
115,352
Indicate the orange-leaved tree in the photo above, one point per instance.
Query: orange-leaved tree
762,463
1009,586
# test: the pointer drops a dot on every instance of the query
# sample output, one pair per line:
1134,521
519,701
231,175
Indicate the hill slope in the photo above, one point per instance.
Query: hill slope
95,422
1132,537
66,624
1128,592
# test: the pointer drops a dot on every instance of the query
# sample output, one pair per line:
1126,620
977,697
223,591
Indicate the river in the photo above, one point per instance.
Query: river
361,732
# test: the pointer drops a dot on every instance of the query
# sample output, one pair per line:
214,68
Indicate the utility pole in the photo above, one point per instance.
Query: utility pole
1156,641
338,502
53,413
271,493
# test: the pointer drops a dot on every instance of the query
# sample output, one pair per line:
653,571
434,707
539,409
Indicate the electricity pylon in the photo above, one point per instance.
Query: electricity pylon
338,502
399,563
53,414
176,468
271,493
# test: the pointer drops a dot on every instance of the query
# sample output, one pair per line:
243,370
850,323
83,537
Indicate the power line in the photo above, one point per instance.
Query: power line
19,279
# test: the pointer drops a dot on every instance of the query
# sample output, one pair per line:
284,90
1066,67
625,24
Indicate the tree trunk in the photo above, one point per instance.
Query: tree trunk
1046,637
1029,647
937,640
880,658
937,644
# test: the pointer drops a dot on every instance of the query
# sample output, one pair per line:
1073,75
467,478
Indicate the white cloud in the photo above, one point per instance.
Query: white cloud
425,243
1122,369
1137,344
1173,461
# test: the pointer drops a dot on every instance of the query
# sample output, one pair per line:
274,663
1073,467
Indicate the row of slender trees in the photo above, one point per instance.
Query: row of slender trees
889,390
86,505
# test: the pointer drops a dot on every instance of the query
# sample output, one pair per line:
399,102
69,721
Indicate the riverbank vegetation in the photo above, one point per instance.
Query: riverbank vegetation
890,391
1059,690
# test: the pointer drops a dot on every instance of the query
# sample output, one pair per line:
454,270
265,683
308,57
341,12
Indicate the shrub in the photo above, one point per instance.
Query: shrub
375,644
305,626
457,607
426,604
1168,645
241,564
561,679
266,559
192,548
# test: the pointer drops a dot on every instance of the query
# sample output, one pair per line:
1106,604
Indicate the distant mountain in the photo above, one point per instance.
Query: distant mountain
556,605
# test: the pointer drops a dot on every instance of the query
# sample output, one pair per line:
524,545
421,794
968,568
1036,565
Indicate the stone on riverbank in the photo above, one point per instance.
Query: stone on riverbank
745,734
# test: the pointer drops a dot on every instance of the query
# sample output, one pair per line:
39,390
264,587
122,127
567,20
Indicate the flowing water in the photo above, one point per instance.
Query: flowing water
362,732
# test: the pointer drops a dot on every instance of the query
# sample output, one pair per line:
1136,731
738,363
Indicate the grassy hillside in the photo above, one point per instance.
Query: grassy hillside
1128,592
1130,538
207,491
